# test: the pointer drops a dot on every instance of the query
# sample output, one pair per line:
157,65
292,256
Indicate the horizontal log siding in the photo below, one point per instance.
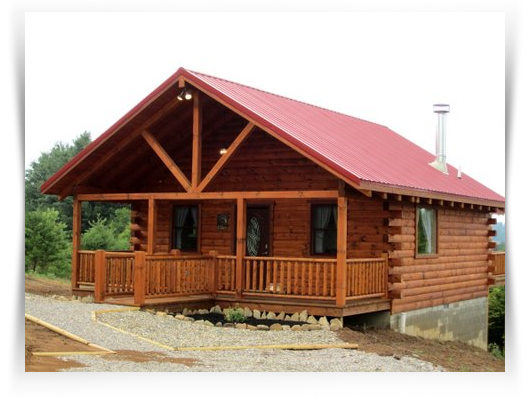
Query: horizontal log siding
212,239
459,270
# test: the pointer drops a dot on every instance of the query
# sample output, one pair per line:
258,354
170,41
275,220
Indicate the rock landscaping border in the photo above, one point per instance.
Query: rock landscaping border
255,320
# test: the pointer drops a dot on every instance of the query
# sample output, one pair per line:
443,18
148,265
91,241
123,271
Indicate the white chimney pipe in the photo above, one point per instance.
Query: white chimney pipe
440,161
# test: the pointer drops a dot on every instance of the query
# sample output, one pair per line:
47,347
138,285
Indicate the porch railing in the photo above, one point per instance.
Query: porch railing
300,277
119,273
225,278
169,275
163,276
498,263
86,269
366,278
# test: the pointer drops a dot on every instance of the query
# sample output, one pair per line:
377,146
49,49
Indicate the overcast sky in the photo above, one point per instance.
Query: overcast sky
86,70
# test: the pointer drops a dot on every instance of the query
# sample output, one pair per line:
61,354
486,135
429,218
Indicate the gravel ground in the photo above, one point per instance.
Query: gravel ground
75,317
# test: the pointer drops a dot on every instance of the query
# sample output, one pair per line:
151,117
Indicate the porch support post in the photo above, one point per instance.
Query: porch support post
197,142
151,226
76,240
139,277
342,249
241,234
99,276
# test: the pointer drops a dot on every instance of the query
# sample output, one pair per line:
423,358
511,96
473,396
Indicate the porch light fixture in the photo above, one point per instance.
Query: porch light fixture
222,151
184,94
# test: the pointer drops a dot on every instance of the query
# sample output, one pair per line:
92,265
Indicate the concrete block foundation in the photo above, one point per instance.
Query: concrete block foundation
465,321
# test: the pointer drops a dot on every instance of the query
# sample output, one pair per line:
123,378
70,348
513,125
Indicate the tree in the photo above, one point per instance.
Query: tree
40,170
46,243
44,167
112,236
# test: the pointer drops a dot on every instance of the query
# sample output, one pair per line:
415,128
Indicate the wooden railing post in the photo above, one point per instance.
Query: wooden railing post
212,274
139,277
99,276
342,248
76,240
151,226
241,234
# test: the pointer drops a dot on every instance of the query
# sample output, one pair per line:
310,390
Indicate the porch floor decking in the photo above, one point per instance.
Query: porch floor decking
206,301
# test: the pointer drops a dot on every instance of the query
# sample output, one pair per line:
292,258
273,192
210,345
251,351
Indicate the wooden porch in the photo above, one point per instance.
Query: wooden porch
265,283
497,268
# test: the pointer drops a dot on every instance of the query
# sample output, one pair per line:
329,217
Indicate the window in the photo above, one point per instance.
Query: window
324,229
185,228
426,231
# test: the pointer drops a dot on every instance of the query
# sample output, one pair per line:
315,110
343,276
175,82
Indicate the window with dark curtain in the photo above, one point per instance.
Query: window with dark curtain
324,228
185,228
426,231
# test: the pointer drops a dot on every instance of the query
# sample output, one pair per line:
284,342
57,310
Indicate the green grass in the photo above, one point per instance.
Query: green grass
51,277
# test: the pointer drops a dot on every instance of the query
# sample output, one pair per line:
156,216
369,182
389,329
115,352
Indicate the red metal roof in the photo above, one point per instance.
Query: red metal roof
362,152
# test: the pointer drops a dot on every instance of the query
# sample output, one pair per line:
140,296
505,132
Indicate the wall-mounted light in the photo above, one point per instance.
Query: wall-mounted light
185,94
222,151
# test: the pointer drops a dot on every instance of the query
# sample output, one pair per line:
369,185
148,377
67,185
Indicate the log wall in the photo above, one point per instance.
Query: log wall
458,272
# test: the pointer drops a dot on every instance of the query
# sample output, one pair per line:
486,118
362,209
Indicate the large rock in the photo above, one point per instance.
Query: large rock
241,326
161,314
296,327
256,314
208,323
276,327
303,315
287,318
281,316
271,316
180,317
336,321
228,325
323,320
203,311
334,327
262,327
201,322
305,327
252,327
247,312
216,309
312,320
313,327
295,317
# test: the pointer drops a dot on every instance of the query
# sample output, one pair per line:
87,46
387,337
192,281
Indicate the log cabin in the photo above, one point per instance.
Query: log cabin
240,197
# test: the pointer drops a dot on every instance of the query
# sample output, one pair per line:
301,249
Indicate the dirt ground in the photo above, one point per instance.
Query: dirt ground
44,286
454,356
41,339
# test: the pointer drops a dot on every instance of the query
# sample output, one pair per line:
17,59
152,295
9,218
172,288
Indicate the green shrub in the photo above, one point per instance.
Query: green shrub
46,243
496,350
235,315
496,317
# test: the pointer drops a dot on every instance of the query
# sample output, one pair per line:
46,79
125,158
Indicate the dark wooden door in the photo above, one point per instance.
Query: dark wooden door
258,231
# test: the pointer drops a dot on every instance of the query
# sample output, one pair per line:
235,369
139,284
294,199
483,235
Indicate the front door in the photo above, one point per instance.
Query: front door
258,231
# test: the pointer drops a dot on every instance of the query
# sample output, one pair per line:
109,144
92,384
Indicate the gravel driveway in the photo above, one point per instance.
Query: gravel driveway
75,317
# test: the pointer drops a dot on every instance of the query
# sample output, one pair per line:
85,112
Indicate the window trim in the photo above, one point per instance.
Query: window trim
311,205
437,233
172,229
